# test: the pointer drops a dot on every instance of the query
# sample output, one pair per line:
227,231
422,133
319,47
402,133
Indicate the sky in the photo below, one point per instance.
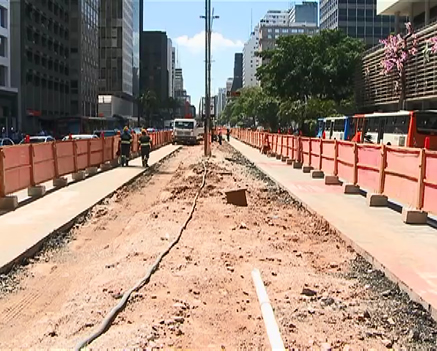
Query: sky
181,20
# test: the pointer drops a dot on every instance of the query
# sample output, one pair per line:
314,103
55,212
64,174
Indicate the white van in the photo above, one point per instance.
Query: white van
185,131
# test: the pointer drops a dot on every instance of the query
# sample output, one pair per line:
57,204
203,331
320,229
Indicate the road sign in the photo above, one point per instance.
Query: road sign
233,93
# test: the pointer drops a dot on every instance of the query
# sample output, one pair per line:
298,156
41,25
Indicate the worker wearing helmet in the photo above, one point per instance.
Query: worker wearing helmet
145,145
126,140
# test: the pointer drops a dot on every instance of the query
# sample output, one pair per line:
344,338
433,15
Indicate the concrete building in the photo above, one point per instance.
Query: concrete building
137,29
221,101
154,64
84,58
229,84
357,19
117,52
173,68
8,94
179,80
237,81
170,67
269,34
376,92
307,12
275,18
40,60
250,61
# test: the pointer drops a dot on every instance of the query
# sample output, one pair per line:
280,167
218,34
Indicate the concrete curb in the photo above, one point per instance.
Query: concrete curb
35,248
348,241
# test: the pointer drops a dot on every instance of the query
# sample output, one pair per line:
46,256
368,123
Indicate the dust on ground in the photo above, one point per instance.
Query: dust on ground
202,296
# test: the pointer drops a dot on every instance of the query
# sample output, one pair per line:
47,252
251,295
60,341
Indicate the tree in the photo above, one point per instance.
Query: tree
148,102
396,54
320,66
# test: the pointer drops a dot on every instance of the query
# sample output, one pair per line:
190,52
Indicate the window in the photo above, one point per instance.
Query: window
3,17
339,125
396,125
426,123
373,125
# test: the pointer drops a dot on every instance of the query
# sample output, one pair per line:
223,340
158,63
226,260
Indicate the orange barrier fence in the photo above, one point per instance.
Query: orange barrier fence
404,175
27,165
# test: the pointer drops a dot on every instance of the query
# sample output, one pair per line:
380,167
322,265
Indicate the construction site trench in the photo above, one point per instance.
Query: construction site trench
202,296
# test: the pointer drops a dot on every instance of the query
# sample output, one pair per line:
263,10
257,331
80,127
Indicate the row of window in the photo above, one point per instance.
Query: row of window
51,44
48,63
34,16
49,83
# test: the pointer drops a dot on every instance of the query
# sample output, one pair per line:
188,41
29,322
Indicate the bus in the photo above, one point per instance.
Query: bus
88,125
401,128
340,128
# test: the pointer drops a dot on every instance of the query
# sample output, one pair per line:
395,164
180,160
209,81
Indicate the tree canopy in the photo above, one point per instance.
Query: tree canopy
303,78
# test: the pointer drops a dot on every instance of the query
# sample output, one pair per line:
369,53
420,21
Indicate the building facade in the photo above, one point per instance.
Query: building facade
40,58
307,12
250,61
154,63
116,42
170,67
269,34
275,18
8,94
221,101
178,80
374,91
84,57
237,82
357,18
229,84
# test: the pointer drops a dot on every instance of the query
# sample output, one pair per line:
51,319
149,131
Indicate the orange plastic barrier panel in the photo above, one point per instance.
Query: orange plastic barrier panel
345,160
401,174
107,149
328,156
15,169
315,145
82,154
65,157
43,162
305,150
430,182
369,166
95,152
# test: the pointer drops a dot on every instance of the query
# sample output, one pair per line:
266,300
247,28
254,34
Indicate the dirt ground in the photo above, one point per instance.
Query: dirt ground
202,296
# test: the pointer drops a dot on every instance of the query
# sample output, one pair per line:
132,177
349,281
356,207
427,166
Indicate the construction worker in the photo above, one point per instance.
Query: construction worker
145,144
228,134
126,140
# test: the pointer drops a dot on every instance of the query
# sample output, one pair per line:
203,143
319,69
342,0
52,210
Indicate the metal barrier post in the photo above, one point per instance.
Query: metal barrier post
2,174
355,176
32,165
320,153
382,169
420,182
335,157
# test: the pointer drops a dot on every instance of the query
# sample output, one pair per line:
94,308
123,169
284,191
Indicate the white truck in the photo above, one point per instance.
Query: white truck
185,131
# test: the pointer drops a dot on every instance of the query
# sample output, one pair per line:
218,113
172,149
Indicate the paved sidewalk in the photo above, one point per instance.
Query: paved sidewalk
23,230
406,253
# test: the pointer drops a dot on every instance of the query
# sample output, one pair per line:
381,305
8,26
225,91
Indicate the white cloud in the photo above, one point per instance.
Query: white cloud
196,43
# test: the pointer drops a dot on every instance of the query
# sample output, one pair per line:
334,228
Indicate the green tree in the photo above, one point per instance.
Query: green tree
320,66
148,103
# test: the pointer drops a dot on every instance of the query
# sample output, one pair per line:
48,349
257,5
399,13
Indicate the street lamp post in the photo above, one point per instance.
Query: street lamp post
208,33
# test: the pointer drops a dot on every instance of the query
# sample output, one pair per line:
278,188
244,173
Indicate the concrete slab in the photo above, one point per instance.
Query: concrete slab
24,230
405,253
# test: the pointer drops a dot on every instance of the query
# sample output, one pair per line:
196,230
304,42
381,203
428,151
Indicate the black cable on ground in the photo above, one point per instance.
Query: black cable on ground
110,317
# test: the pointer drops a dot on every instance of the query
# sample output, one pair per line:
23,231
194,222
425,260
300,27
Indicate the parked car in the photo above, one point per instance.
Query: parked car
6,142
39,139
80,137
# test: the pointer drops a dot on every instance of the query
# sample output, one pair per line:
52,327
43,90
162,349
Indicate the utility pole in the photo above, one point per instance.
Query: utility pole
208,34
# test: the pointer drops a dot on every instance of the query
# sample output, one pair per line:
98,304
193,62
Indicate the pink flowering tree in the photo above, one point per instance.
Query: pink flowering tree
397,52
433,49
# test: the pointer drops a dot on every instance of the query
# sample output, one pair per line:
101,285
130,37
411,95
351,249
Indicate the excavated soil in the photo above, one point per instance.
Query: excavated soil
202,296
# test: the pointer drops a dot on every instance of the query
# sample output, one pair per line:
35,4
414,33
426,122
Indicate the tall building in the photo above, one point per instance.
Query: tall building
250,61
221,101
137,27
116,42
170,67
269,34
84,57
275,17
229,82
237,82
173,68
307,12
40,52
154,64
178,80
357,19
8,94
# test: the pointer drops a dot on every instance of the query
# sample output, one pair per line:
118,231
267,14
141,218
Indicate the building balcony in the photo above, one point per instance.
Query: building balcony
374,90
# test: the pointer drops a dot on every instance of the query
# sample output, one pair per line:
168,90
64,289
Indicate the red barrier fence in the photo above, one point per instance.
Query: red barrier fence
27,165
404,175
